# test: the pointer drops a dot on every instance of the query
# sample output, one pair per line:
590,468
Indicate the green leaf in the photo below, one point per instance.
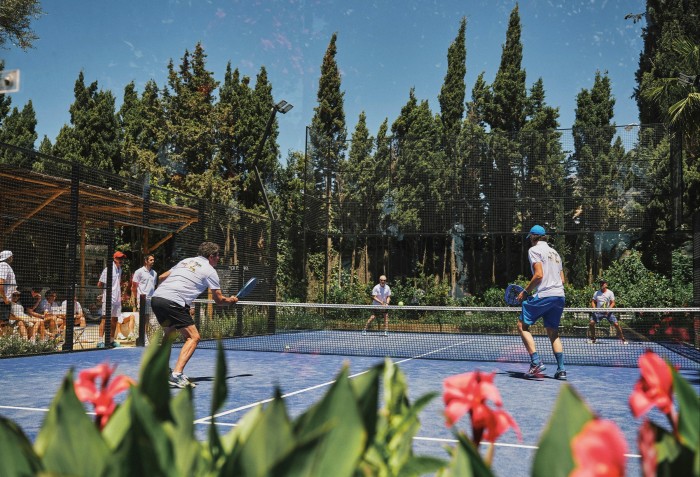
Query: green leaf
146,448
266,440
153,379
554,458
688,411
68,435
422,465
189,452
366,390
672,457
347,437
466,461
218,398
16,453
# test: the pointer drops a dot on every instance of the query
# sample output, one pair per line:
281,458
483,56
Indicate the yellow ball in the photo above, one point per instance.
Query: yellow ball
400,303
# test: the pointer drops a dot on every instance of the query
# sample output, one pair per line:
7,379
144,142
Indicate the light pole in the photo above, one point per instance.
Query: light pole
281,107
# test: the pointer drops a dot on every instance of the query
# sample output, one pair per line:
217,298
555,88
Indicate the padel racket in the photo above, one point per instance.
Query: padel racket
247,288
511,295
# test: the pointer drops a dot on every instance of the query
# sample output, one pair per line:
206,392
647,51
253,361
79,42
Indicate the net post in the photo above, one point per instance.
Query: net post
143,317
72,256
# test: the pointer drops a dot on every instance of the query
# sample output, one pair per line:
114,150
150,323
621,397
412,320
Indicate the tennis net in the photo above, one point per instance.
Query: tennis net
449,332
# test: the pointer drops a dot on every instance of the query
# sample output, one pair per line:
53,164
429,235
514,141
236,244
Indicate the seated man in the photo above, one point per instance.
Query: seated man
33,324
77,310
49,309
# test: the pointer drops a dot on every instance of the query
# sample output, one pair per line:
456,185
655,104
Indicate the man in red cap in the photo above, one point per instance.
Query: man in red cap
116,307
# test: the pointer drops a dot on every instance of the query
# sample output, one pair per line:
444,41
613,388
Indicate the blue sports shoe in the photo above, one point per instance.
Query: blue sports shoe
560,374
535,369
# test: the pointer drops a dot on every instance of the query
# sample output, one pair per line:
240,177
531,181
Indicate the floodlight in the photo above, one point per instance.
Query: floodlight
9,81
283,107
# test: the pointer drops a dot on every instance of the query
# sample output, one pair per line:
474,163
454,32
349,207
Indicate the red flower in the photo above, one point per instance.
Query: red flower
646,441
599,450
469,393
654,388
102,398
500,422
465,392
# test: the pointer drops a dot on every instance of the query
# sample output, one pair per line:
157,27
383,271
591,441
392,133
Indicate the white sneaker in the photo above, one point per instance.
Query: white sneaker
364,332
386,333
121,337
131,337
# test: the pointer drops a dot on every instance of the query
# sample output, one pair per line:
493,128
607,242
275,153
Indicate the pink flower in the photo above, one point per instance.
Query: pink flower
500,422
470,393
646,441
654,388
465,392
599,450
103,398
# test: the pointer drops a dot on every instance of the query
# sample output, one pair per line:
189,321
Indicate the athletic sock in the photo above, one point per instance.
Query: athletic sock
535,358
560,360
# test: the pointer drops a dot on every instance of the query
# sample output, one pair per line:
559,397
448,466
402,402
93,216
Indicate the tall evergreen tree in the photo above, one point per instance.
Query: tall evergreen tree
327,137
15,20
505,112
93,136
189,106
18,129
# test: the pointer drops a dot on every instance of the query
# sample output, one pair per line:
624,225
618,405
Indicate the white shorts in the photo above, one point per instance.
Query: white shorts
123,316
116,311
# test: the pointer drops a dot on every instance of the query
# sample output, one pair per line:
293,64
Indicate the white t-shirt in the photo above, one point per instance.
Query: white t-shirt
8,277
54,308
551,284
603,300
381,292
64,306
146,280
187,280
116,285
17,311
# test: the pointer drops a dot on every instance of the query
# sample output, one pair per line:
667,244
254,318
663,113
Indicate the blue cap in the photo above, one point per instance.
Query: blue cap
536,230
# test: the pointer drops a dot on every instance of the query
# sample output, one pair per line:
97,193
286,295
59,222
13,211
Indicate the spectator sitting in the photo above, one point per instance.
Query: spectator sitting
77,312
38,305
125,318
33,324
50,312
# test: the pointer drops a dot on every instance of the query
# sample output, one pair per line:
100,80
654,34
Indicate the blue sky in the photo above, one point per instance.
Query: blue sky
384,49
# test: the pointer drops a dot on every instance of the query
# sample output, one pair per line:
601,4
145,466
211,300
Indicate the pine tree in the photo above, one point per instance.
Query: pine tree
18,129
93,136
327,138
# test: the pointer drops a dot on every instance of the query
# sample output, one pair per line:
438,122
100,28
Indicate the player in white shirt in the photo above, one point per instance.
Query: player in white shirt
603,298
381,296
144,281
547,303
171,302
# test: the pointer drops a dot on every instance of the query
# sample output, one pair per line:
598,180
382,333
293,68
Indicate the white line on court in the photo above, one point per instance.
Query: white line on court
205,419
33,409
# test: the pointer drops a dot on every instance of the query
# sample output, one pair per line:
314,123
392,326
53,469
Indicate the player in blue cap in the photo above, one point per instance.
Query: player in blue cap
547,301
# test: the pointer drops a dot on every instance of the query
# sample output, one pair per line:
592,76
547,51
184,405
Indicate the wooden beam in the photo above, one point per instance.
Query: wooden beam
169,236
35,211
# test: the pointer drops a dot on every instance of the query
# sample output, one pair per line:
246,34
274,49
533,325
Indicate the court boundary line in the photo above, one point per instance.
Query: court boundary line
206,419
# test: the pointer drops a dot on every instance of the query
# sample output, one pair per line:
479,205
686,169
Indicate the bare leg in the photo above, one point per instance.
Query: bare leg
591,330
386,322
527,338
371,319
619,331
553,335
191,336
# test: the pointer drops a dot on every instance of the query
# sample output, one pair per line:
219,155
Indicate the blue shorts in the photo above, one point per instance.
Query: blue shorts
549,308
600,316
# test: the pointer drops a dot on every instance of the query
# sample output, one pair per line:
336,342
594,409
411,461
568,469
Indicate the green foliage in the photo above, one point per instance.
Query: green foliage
15,20
14,345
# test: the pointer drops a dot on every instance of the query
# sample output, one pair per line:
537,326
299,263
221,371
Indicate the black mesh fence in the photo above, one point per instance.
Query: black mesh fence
64,221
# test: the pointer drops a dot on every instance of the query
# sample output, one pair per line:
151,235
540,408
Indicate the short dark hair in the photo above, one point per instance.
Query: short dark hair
207,249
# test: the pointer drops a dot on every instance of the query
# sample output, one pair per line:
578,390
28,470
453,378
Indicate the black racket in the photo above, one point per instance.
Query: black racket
247,288
511,295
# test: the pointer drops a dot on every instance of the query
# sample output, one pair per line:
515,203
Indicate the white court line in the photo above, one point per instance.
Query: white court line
33,409
205,419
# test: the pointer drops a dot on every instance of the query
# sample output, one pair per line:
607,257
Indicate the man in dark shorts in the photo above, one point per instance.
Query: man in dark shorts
172,300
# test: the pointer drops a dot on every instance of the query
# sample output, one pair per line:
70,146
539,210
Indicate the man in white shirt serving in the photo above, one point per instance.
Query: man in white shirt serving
171,302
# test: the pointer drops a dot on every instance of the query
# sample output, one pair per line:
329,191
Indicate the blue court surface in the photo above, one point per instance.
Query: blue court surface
29,384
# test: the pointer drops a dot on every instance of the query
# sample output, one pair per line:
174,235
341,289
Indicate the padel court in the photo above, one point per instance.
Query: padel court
303,370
